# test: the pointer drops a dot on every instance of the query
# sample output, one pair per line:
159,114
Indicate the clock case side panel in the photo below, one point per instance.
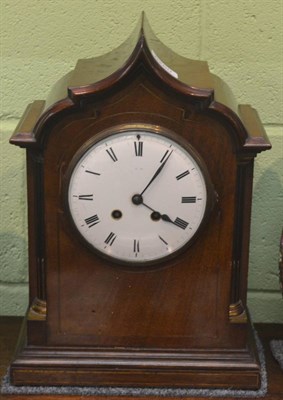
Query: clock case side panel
36,314
24,136
238,306
249,139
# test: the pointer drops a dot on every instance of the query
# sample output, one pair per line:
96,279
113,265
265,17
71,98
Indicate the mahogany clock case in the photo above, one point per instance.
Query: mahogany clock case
182,322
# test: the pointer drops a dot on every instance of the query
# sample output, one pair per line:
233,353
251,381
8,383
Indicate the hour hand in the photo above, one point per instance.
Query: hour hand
156,216
137,199
166,218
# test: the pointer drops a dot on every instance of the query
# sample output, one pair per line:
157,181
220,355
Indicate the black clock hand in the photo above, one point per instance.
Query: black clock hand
164,217
149,207
156,216
137,199
157,172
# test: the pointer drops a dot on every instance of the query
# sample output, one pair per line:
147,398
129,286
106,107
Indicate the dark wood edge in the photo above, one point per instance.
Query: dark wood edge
252,138
250,135
52,112
29,131
257,139
24,132
141,54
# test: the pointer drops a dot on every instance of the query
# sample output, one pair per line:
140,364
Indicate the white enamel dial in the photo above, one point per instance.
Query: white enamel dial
137,196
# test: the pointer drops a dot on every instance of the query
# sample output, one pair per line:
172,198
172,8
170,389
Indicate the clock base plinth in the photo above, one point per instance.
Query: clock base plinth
63,366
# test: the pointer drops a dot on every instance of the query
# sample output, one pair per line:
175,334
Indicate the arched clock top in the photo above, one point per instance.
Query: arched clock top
142,53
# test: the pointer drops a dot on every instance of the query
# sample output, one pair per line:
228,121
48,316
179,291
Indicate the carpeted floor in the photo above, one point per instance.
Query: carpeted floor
277,351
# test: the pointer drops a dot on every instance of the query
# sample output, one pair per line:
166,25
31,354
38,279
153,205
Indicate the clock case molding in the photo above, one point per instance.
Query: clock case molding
183,323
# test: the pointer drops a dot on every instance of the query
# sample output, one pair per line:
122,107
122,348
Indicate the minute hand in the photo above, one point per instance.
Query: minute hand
157,173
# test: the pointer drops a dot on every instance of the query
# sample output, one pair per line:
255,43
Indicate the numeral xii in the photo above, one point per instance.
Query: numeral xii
138,149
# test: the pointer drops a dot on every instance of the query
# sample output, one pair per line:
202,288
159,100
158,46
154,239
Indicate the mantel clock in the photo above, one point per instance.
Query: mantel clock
140,171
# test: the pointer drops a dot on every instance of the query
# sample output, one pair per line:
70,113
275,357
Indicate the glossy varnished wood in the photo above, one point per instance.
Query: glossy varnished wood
184,321
9,330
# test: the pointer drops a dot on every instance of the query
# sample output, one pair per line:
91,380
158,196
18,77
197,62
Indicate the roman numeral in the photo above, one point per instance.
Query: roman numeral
91,221
189,199
182,175
181,223
92,172
110,239
162,240
85,197
112,155
136,247
138,148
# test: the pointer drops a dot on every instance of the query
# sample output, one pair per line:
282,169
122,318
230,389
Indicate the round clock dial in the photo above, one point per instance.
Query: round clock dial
137,195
